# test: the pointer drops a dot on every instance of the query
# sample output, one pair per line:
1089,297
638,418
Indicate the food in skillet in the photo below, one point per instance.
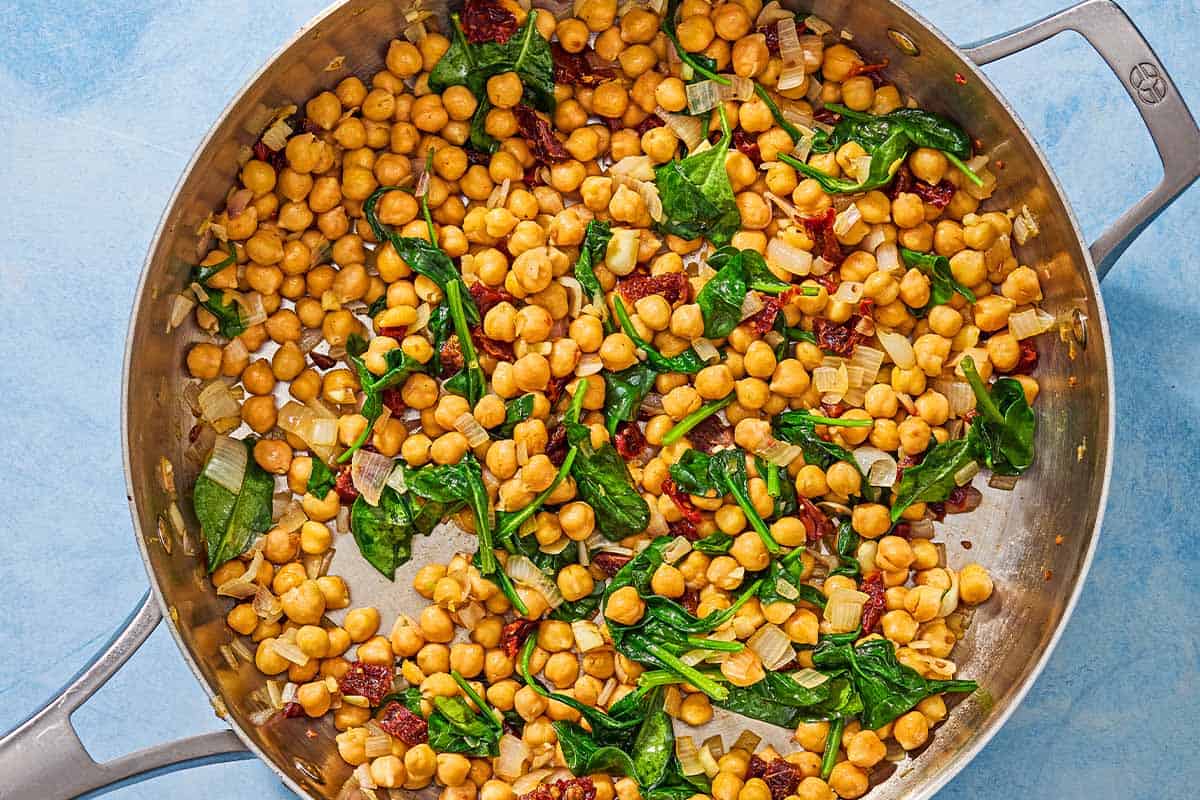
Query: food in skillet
693,320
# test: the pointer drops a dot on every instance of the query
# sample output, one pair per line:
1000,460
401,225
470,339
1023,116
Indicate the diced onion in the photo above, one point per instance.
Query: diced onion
370,472
809,678
470,615
677,549
1005,483
468,426
898,348
803,147
792,77
318,431
828,380
960,398
689,129
574,294
817,25
217,402
821,267
781,454
587,635
1029,323
849,291
227,464
743,668
1025,226
773,647
869,359
705,349
847,220
751,305
747,741
702,96
920,529
181,306
638,167
874,238
589,364
965,473
772,12
243,586
950,596
530,781
860,168
496,199
788,258
514,754
289,651
812,50
397,481
266,605
621,255
688,755
276,136
887,257
844,610
786,590
378,744
789,42
649,193
524,571
739,88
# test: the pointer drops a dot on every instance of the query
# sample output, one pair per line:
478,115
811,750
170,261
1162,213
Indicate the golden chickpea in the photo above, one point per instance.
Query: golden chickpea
617,352
899,626
304,604
870,520
750,552
695,33
848,780
790,379
1022,286
843,479
923,602
914,435
968,267
894,553
624,606
313,641
811,736
314,698
420,763
361,623
813,788
436,625
671,94
974,584
267,660
575,582
668,581
911,730
204,361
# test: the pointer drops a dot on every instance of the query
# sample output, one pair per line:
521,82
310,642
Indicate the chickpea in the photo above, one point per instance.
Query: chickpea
273,456
304,604
420,763
668,581
750,56
848,780
894,553
361,623
813,788
529,704
974,584
204,361
314,698
436,625
899,626
575,582
858,93
624,606
843,479
725,572
911,730
914,435
811,736
870,520
749,551
671,94
242,619
352,746
968,267
695,33
790,379
1022,286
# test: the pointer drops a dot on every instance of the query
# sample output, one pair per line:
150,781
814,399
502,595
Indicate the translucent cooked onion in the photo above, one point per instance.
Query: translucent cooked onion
266,605
887,257
1005,483
638,167
468,426
397,480
690,130
959,397
318,431
525,572
809,678
812,51
530,781
747,741
788,258
869,359
290,651
227,465
703,96
878,466
792,77
781,454
677,549
773,647
688,755
181,306
1029,323
920,529
514,754
497,198
243,586
846,220
849,291
574,291
743,668
771,13
589,364
587,635
874,238
786,590
790,52
844,610
866,552
378,744
965,473
705,349
751,305
369,473
817,25
898,348
1025,227
821,266
217,402
803,147
649,193
950,597
739,89
831,380
860,168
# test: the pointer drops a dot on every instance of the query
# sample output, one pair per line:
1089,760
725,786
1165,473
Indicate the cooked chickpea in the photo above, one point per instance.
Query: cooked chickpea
911,730
624,606
974,584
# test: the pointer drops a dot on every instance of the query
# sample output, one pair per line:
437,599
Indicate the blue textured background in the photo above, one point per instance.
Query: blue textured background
101,104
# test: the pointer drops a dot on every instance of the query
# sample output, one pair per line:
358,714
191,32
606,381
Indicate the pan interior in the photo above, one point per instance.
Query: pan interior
1016,534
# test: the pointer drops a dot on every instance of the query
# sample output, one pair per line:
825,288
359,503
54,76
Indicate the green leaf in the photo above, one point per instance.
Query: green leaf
583,608
517,410
886,157
321,479
942,285
526,53
591,253
697,196
847,550
687,362
738,271
799,427
455,728
932,480
399,366
228,521
202,274
624,392
603,481
230,321
686,424
1005,425
384,532
724,471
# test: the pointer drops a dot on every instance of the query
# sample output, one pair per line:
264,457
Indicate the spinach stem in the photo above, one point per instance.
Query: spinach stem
986,405
689,674
699,415
833,741
470,358
469,691
657,677
743,500
842,422
715,645
958,162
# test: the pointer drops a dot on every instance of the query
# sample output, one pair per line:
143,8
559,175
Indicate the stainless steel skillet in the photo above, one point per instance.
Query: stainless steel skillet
1013,533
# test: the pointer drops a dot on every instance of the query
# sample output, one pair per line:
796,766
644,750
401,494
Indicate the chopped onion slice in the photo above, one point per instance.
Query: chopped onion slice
378,744
812,50
772,12
751,305
243,586
786,590
803,147
514,754
887,257
649,192
705,349
747,741
920,529
772,645
1025,226
574,294
690,130
965,473
809,678
587,635
949,597
468,426
743,668
849,291
497,198
227,464
898,348
860,168
821,266
960,398
677,549
1005,483
289,651
369,473
739,88
844,610
847,220
589,364
828,380
789,43
266,605
217,402
788,258
878,466
1030,322
702,96
817,25
524,571
181,306
781,454
639,167
869,359
318,431
688,755
792,77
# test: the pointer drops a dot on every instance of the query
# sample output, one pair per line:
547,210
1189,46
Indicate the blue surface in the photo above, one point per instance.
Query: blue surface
103,101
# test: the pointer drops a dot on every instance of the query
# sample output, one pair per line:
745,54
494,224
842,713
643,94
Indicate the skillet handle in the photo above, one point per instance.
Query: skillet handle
1119,42
44,758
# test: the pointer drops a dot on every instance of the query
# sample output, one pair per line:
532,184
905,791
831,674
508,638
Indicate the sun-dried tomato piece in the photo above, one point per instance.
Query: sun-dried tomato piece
566,789
683,527
514,634
533,177
610,563
764,320
816,524
684,503
344,486
292,710
557,446
584,68
402,723
372,681
963,499
1028,360
501,351
556,387
629,441
876,604
782,777
488,297
747,145
837,338
487,21
651,122
827,116
834,409
546,147
710,434
902,182
690,600
275,158
393,400
673,286
477,158
451,356
322,361
937,196
820,230
771,32
394,331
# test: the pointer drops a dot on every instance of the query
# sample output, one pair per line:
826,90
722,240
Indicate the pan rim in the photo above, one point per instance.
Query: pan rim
961,758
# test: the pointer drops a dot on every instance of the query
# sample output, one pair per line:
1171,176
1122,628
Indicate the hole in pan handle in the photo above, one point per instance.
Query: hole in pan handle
1119,42
43,756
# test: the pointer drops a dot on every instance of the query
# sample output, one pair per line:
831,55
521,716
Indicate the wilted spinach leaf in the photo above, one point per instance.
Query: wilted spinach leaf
738,271
624,392
228,521
1005,424
942,285
697,196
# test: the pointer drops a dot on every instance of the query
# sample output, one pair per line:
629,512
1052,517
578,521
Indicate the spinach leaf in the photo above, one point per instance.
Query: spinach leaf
228,521
790,335
202,274
847,550
790,570
624,392
517,410
697,196
583,608
399,367
584,755
887,687
799,427
932,480
724,471
230,321
779,700
687,362
942,285
454,727
705,411
603,481
886,157
384,532
714,544
321,479
738,271
1005,425
591,253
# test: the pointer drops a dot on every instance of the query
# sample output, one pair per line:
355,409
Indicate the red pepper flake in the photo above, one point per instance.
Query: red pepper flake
610,563
837,338
195,432
539,133
960,79
747,145
1048,574
876,604
681,500
501,351
533,177
488,297
402,723
816,524
556,446
1028,360
514,634
393,400
580,69
782,777
673,286
820,230
771,33
322,361
487,21
966,544
451,356
629,441
372,681
344,486
275,158
710,434
764,320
